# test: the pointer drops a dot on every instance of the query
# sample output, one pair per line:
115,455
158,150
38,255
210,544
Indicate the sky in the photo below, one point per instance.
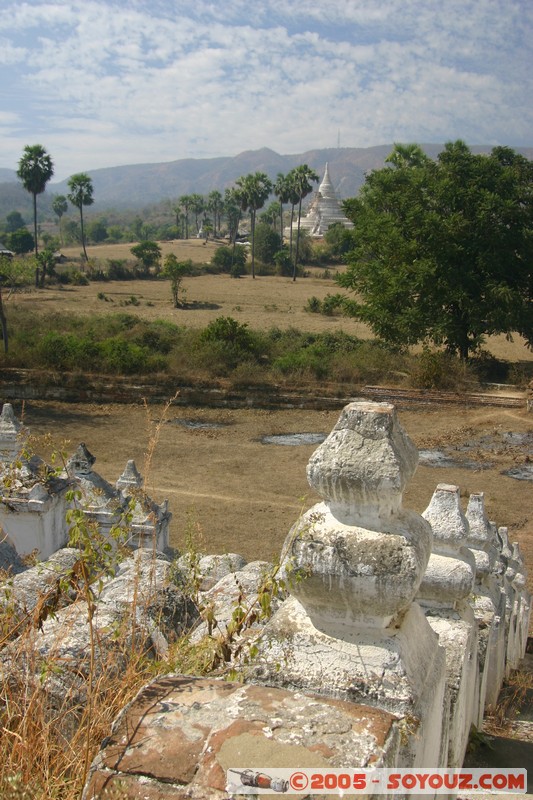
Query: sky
102,83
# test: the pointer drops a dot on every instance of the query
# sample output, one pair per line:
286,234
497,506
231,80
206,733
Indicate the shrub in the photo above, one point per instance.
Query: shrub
79,279
313,305
301,363
159,337
117,270
228,331
121,357
283,263
436,370
223,258
58,350
226,343
332,304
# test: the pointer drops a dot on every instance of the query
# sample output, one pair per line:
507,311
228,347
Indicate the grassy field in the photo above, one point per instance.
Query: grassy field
262,303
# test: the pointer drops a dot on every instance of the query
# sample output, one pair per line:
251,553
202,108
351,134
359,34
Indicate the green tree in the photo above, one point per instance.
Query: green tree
176,271
339,240
253,191
149,254
302,178
266,243
97,231
46,264
81,194
444,249
72,232
35,170
271,214
14,221
230,260
60,207
20,241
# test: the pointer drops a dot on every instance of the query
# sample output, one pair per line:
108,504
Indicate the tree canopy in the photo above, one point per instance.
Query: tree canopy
149,254
444,249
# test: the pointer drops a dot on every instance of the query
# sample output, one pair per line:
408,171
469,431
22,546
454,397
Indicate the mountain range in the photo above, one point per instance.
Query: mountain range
140,185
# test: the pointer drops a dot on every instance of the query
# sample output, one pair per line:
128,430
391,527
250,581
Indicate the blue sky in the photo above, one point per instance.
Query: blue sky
104,82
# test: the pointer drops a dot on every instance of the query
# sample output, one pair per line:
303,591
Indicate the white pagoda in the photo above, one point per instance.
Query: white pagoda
325,210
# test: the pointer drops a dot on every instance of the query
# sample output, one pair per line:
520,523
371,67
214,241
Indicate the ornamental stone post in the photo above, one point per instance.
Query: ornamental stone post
350,629
488,602
446,585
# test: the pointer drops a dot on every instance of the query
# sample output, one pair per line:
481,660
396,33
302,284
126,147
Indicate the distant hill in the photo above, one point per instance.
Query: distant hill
141,185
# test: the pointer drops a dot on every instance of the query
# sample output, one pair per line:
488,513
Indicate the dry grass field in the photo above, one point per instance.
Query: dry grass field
262,303
223,483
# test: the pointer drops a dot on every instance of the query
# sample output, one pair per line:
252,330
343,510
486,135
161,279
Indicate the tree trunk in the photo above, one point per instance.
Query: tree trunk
83,234
35,221
290,233
252,218
295,265
3,323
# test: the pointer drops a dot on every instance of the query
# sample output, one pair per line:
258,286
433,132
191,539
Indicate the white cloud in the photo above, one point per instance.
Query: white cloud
106,82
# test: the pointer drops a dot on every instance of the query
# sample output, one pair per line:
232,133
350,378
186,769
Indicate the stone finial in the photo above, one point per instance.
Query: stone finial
481,536
363,466
130,478
364,555
521,571
451,569
505,546
11,434
81,462
449,524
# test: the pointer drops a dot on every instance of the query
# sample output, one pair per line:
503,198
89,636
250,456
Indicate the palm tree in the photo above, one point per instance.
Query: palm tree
282,190
301,183
81,194
271,214
185,203
35,170
60,207
253,191
214,204
292,198
197,206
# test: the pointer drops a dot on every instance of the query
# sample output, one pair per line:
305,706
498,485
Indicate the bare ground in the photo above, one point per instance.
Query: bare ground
237,494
